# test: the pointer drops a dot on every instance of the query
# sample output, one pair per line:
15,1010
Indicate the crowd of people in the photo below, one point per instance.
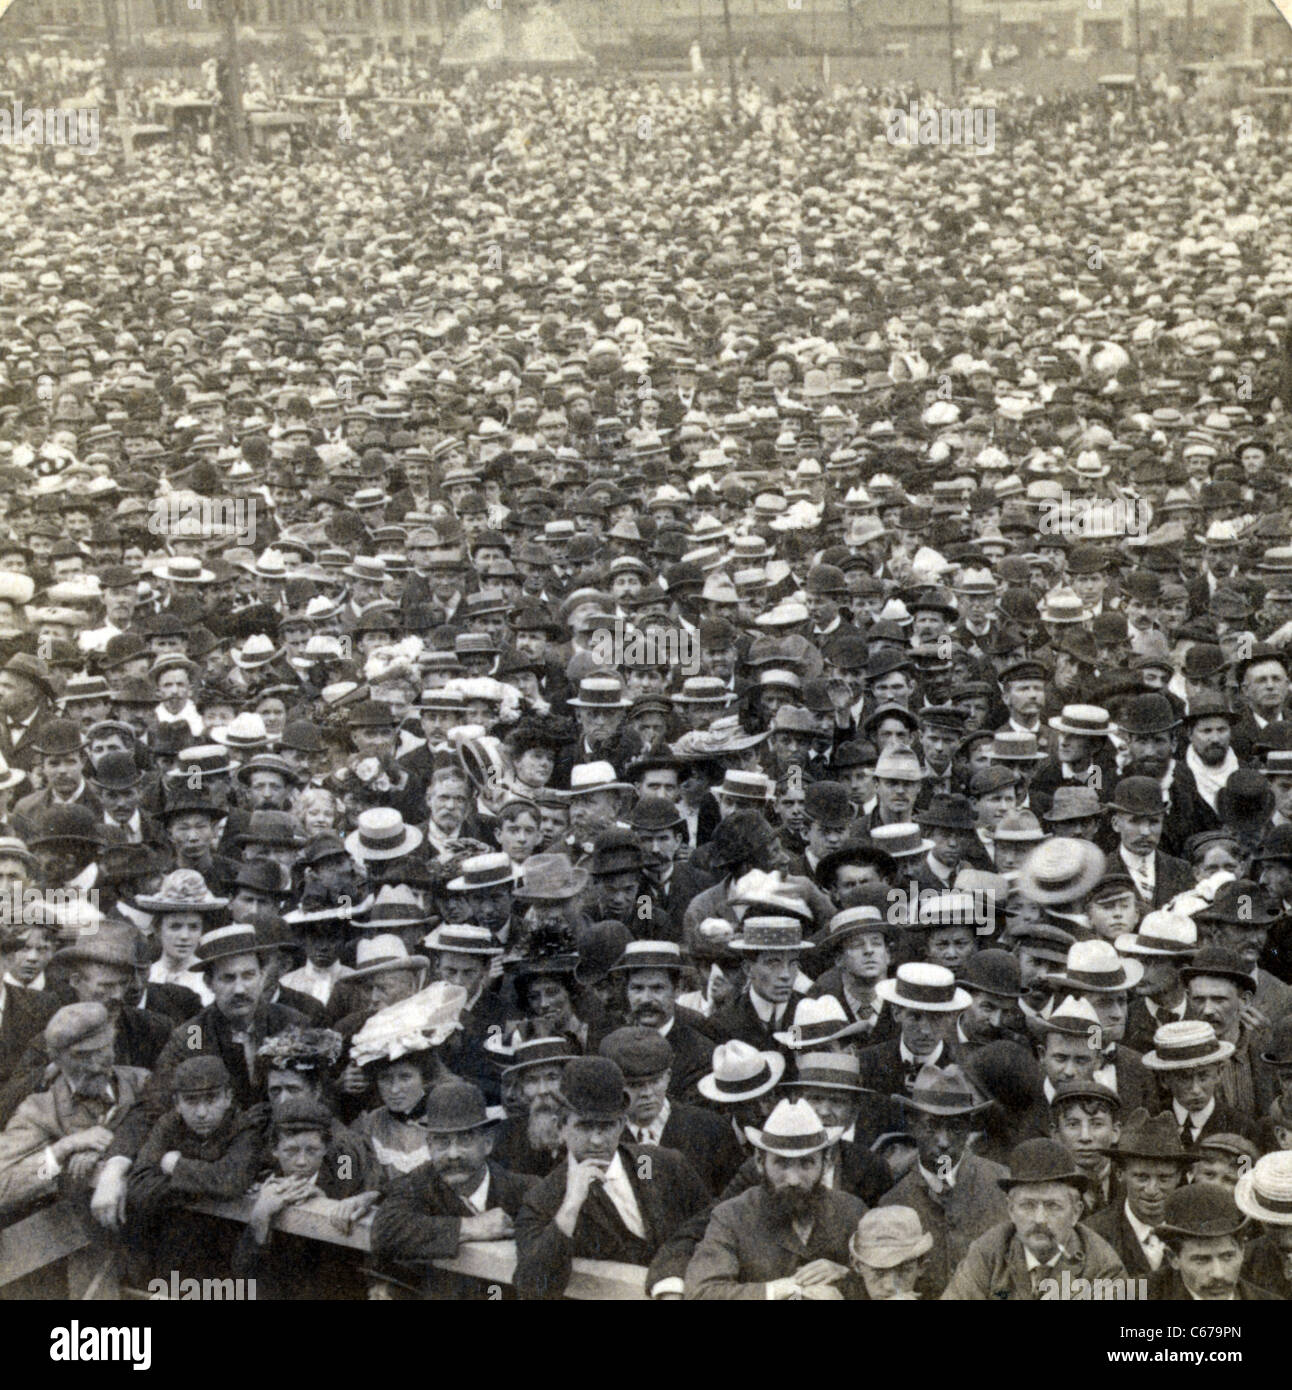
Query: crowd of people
703,692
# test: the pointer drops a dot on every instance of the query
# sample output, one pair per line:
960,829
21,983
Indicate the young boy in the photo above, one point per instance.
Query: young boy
294,1267
202,1147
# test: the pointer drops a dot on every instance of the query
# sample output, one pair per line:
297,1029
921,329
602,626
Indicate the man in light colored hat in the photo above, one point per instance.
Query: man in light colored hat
1027,1257
1264,1193
1162,943
1095,973
889,1250
787,1237
953,1191
58,1137
926,1002
1187,1058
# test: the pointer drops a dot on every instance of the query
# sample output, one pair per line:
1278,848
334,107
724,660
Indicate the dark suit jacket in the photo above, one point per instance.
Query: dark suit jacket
304,1004
706,1141
737,1019
420,1221
692,1055
832,983
1136,1085
1226,1120
513,1151
668,1192
175,1001
1111,1223
25,1014
1171,876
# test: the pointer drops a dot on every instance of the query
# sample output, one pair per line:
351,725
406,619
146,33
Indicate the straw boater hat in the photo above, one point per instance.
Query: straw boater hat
382,834
587,778
770,934
829,1071
482,871
1265,1190
237,939
1161,934
793,1130
1060,870
1185,1045
931,988
463,939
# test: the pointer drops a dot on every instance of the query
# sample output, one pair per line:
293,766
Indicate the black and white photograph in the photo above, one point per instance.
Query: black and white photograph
646,655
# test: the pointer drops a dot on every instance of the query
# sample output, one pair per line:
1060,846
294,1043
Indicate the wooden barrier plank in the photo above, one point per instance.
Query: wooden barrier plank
51,1234
493,1261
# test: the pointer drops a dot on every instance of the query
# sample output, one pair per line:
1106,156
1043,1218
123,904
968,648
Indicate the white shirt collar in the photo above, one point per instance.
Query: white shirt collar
912,1060
1191,1120
478,1200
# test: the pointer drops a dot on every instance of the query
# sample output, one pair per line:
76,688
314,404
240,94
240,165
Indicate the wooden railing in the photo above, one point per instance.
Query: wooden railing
60,1232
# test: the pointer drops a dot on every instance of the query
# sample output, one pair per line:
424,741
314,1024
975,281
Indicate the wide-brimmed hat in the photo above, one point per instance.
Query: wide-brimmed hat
183,890
1264,1191
817,1022
740,1072
1163,934
381,833
1184,1045
1094,967
1042,1161
828,1071
411,1025
944,1091
918,985
377,955
793,1130
889,1236
1060,870
549,878
1150,1136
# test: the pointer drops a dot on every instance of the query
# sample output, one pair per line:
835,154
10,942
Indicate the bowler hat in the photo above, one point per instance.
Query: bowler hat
1200,1211
1042,1161
992,972
1219,962
1147,714
593,1089
454,1107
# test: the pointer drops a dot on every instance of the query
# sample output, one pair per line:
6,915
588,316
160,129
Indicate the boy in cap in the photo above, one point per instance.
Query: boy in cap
202,1147
293,1267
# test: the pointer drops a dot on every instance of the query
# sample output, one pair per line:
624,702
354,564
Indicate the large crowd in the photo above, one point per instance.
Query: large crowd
663,683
